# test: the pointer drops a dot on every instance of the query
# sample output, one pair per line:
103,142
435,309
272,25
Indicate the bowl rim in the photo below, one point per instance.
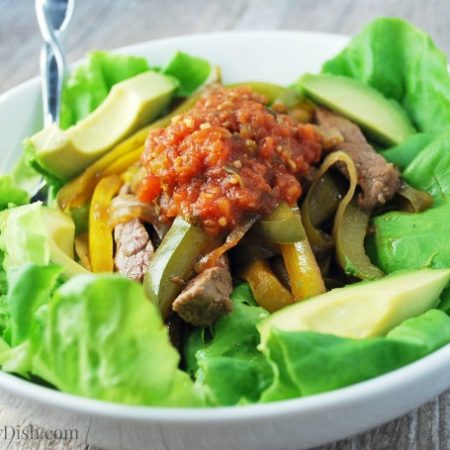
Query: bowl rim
362,391
365,391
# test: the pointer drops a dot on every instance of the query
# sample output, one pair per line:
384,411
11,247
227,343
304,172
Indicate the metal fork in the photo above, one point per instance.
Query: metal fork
53,17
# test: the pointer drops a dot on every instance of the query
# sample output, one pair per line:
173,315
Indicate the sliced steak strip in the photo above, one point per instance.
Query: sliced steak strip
207,296
378,179
133,249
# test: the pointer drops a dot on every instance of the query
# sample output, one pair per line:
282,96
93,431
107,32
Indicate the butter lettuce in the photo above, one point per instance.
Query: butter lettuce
430,171
401,62
410,241
189,70
10,194
39,235
23,237
89,84
232,367
95,336
224,358
307,363
103,339
403,154
29,288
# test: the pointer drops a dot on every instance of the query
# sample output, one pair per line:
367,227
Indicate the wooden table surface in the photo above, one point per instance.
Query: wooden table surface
108,24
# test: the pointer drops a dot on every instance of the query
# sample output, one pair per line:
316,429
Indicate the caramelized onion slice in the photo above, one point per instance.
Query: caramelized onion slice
127,207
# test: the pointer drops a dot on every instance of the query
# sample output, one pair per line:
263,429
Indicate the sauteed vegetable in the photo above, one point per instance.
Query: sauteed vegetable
205,244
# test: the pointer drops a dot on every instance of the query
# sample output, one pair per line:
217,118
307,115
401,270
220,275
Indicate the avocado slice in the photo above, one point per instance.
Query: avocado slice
379,116
130,105
38,235
61,235
365,309
173,262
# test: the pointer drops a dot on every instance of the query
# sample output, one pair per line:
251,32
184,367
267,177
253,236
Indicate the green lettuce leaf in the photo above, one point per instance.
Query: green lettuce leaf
189,70
308,363
103,339
89,84
38,235
225,359
10,194
26,178
445,301
23,237
430,171
402,62
411,241
402,155
29,288
96,336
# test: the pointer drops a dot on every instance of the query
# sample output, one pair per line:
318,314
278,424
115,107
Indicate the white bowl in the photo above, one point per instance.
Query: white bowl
278,57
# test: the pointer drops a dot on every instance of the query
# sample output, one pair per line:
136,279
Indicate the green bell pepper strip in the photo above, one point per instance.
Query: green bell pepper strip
350,232
350,226
413,200
269,90
249,251
326,197
288,99
320,204
281,226
173,263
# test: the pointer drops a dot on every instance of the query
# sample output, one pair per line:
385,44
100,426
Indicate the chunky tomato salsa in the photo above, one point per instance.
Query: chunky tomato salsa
228,158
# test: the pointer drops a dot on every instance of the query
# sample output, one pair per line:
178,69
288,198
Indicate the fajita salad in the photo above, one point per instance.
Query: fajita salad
198,243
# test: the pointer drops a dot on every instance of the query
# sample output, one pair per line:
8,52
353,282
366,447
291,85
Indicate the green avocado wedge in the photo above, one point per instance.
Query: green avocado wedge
363,310
379,116
130,105
173,262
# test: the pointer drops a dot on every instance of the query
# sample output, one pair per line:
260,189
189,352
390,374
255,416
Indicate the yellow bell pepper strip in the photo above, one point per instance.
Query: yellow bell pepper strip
304,272
122,164
279,269
80,189
82,250
267,289
100,229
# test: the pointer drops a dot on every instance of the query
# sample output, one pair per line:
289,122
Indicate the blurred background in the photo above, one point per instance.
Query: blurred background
105,24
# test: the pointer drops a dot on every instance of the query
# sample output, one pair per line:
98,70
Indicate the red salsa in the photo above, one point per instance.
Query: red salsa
227,159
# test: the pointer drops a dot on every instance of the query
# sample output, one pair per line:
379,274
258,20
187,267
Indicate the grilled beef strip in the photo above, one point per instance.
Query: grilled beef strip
206,297
133,249
378,179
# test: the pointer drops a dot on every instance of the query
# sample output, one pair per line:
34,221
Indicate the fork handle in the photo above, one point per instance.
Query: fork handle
52,68
52,79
